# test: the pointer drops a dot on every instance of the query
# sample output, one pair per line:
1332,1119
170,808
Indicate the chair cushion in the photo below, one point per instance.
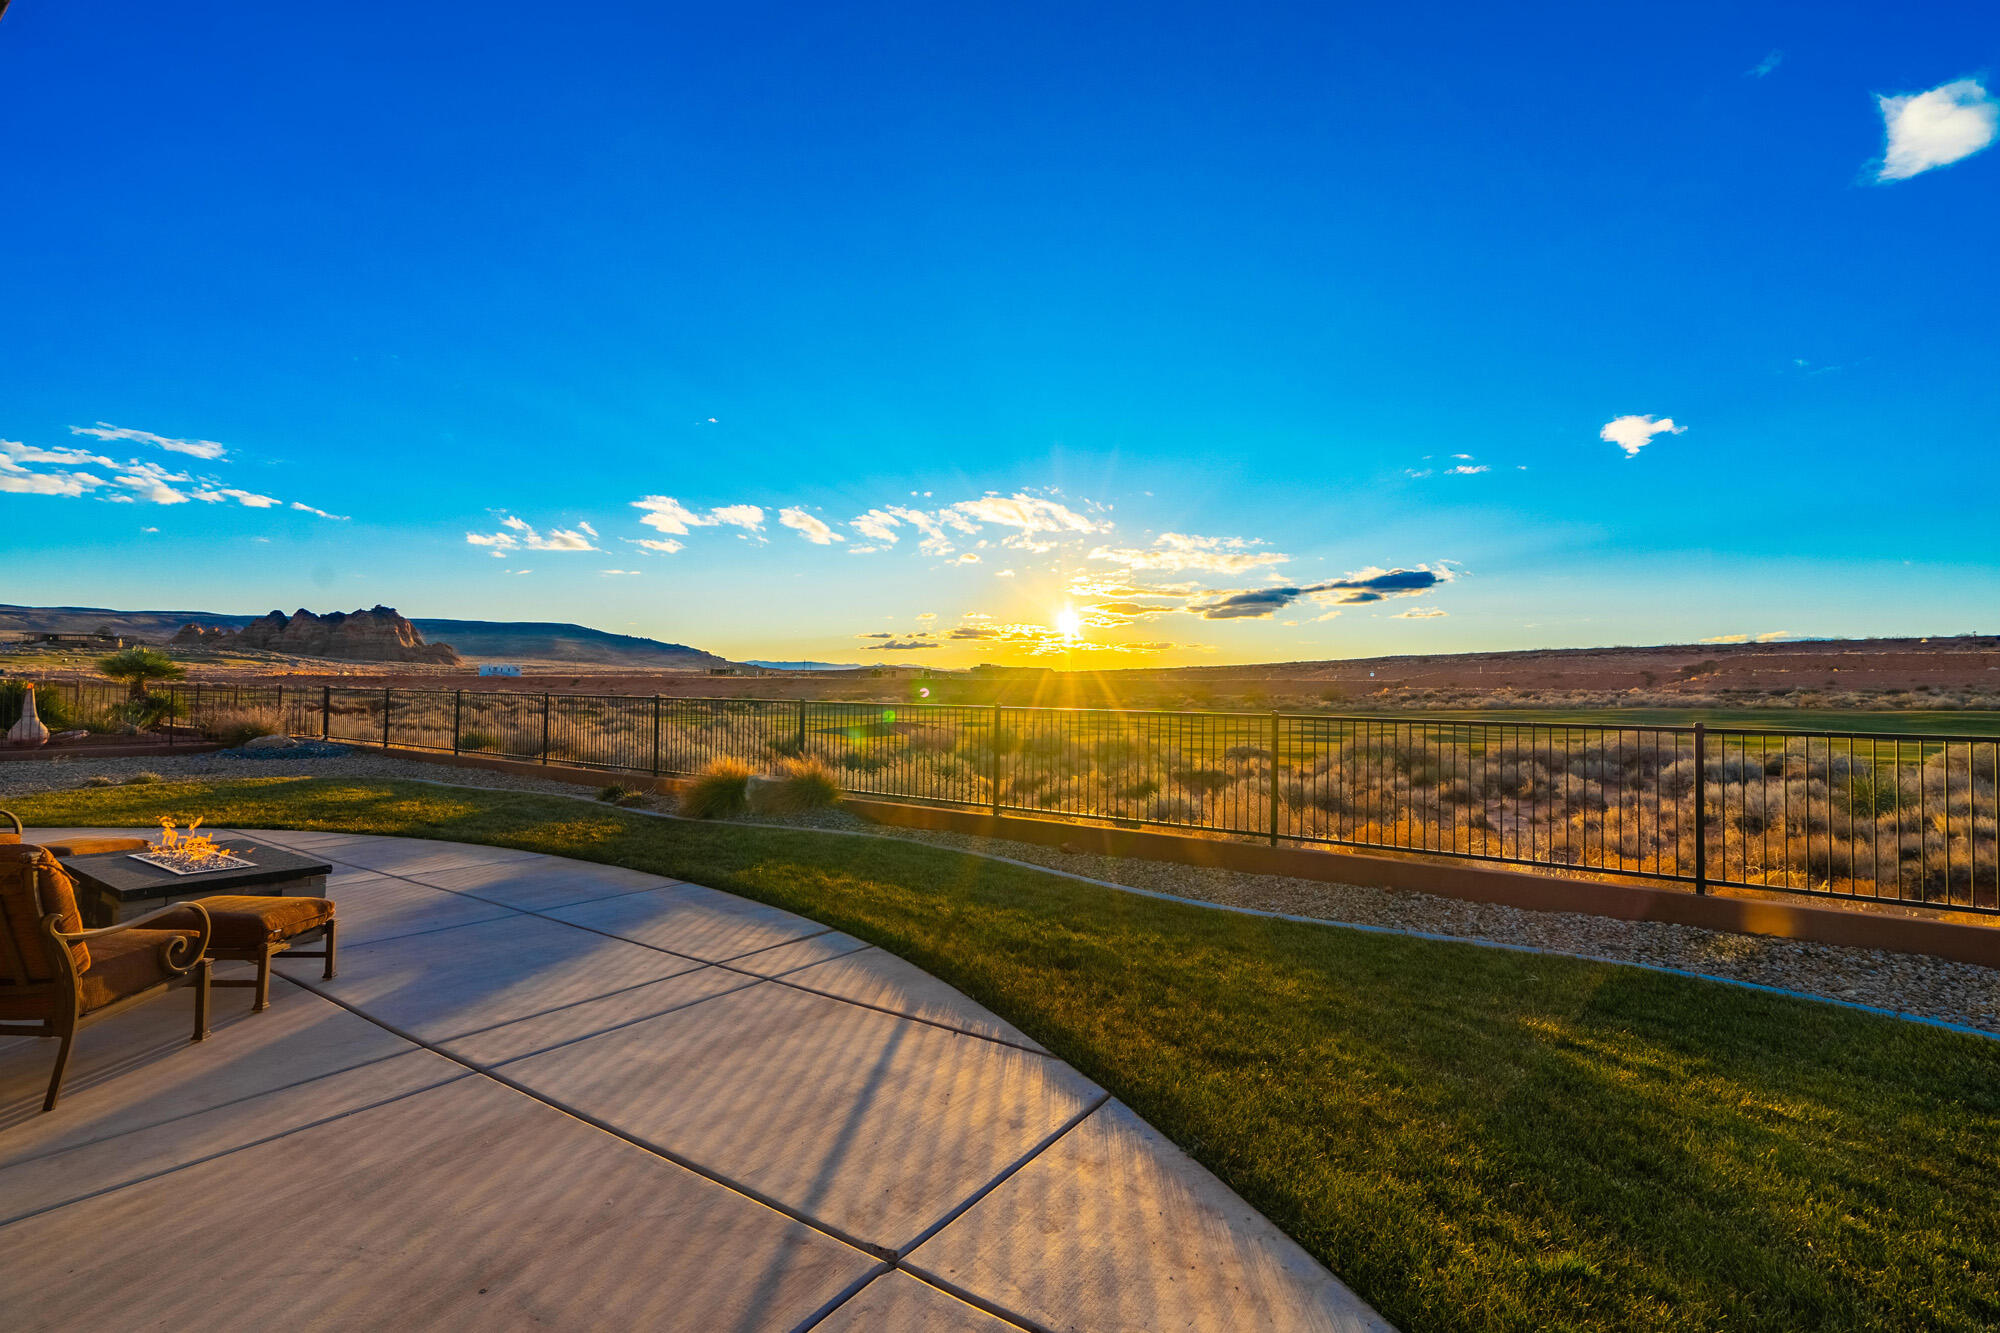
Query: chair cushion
92,846
127,962
32,885
248,921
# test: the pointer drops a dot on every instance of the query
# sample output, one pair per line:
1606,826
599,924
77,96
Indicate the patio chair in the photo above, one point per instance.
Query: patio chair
56,977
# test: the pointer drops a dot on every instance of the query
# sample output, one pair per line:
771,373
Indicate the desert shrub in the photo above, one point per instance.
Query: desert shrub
1206,781
857,761
788,747
802,785
101,780
1139,791
721,791
618,793
478,740
235,726
1246,754
143,778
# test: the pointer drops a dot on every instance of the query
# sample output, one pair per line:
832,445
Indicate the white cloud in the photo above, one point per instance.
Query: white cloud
876,525
1417,613
1469,469
1633,433
1176,550
666,547
812,529
610,572
150,481
1003,573
1936,128
669,515
1029,513
308,509
217,494
107,432
738,516
518,535
1766,65
967,559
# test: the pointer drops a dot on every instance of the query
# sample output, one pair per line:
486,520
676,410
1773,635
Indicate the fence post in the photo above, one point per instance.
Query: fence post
802,728
457,710
325,711
993,775
545,728
1700,808
656,735
1274,777
284,722
388,700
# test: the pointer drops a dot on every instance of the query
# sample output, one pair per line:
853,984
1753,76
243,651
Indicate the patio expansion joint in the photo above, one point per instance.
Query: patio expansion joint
234,1101
237,1148
728,964
887,1256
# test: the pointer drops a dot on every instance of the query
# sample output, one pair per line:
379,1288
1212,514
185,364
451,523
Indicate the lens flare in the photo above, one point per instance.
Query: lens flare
1068,623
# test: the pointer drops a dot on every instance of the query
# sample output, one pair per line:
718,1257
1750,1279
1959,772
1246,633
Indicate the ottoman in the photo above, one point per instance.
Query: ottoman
254,929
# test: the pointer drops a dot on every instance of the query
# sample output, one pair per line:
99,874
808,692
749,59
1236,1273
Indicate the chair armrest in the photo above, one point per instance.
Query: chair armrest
14,819
175,952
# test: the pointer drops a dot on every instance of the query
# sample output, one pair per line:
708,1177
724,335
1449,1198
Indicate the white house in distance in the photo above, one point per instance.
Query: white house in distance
498,669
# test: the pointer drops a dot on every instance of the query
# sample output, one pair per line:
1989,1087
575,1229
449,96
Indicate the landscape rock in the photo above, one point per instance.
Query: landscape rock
62,736
375,635
271,742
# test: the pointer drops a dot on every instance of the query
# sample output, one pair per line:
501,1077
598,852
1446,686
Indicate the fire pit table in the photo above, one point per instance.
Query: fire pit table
113,887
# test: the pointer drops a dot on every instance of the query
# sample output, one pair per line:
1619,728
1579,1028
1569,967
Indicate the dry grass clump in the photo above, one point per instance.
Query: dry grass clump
722,791
237,726
801,785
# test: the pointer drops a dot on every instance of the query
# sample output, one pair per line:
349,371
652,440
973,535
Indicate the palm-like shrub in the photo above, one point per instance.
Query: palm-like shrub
139,667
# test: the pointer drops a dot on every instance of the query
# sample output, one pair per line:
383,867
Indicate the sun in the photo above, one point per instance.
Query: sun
1068,623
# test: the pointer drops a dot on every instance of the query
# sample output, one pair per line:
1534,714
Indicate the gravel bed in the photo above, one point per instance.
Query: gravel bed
1902,983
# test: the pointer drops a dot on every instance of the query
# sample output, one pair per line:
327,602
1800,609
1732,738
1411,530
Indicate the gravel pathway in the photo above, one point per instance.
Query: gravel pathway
1912,984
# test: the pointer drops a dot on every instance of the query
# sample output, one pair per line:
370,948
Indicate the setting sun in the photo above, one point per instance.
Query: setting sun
1068,623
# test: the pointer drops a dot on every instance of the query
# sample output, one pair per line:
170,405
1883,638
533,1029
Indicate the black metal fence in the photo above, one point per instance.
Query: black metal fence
1908,818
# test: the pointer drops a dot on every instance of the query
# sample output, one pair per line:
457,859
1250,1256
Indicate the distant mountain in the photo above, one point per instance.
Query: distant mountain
551,641
826,666
502,640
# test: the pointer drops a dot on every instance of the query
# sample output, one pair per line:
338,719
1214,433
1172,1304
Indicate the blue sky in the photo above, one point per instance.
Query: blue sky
1284,331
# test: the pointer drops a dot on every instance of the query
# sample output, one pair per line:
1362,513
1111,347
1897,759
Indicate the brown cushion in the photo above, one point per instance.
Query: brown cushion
246,921
32,886
92,846
126,963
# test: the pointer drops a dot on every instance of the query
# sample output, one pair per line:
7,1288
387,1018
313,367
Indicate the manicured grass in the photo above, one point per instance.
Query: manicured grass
1473,1139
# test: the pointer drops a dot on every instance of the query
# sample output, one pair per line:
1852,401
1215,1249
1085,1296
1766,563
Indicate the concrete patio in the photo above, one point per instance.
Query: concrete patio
549,1092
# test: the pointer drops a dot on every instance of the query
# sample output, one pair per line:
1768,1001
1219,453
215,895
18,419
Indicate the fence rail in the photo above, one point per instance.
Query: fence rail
1906,818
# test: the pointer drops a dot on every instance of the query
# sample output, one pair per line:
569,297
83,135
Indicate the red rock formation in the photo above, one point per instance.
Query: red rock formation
375,635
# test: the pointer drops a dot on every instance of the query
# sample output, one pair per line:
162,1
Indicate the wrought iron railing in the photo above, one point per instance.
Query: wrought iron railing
1898,817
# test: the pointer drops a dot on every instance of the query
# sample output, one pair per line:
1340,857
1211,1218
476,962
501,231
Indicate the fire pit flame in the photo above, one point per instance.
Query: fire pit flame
188,853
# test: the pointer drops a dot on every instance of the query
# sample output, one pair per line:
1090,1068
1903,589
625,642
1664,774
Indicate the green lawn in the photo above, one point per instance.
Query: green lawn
1472,1139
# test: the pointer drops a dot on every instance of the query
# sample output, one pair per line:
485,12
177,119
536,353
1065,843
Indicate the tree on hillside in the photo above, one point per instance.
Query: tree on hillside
140,666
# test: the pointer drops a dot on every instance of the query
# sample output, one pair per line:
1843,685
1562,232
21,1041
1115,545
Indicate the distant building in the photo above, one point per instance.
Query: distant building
77,640
722,671
498,669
